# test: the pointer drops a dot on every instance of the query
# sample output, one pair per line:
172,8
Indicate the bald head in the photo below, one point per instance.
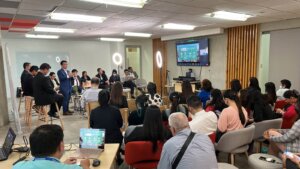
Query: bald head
178,121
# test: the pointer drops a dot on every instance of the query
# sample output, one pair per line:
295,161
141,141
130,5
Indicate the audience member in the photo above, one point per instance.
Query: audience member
200,153
232,118
243,97
259,107
91,94
84,77
75,82
270,95
204,94
47,147
28,80
25,73
133,73
54,83
107,117
65,86
217,103
153,97
285,140
114,77
174,98
128,82
116,96
289,114
235,85
43,92
187,91
136,117
103,79
152,129
285,86
202,122
253,85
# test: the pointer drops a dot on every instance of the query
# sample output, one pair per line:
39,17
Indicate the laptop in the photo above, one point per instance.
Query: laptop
5,150
91,143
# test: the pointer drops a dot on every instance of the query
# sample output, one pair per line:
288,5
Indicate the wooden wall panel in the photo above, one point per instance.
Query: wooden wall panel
159,75
242,53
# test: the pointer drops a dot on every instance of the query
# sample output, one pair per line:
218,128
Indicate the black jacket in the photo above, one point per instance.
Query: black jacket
52,85
103,79
43,92
72,80
27,85
113,79
23,77
108,118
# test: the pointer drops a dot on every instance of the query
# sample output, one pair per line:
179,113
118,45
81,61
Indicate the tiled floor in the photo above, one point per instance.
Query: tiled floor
72,124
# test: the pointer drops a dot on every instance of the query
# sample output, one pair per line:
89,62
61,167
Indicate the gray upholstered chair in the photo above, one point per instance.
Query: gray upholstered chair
226,166
236,142
261,127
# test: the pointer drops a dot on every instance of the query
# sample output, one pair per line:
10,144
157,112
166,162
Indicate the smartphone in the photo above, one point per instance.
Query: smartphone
271,160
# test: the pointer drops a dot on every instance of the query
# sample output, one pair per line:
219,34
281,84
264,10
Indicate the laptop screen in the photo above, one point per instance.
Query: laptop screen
9,141
92,138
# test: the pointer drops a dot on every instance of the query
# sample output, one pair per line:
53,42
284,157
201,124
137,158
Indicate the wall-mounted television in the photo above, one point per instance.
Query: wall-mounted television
193,52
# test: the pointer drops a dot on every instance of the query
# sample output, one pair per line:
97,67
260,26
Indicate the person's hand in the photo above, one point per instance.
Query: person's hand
266,134
70,160
85,163
295,159
279,111
70,74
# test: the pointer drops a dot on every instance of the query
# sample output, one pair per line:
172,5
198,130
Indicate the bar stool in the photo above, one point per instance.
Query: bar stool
28,108
42,111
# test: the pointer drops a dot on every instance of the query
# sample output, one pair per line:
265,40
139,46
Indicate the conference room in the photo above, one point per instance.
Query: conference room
119,84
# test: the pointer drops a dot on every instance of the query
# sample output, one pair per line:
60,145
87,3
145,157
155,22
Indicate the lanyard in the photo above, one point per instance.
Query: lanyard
48,159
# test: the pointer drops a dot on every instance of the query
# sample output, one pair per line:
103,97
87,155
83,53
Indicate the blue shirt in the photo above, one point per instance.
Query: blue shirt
45,163
204,97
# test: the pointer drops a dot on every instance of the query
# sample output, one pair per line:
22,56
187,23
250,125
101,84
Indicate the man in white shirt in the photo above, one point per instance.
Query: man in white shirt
91,94
202,122
285,86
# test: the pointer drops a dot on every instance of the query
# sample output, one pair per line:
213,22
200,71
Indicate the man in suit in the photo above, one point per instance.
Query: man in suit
28,80
103,78
25,73
54,83
75,82
43,93
65,86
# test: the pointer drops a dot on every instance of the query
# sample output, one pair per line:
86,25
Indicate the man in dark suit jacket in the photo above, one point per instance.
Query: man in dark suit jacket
75,81
25,73
65,85
103,79
28,80
43,93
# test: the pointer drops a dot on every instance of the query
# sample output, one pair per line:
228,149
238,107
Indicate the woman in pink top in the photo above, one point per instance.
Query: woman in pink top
232,118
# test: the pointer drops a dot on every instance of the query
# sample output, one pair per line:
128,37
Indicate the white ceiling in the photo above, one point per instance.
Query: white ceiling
154,13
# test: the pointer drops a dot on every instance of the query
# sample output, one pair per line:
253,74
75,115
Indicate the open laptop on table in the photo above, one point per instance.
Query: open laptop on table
91,143
5,150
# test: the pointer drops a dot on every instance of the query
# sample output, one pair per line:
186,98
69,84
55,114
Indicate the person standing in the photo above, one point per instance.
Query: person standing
25,73
65,85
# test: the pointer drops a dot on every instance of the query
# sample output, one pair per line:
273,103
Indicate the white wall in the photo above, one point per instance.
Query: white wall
216,72
263,69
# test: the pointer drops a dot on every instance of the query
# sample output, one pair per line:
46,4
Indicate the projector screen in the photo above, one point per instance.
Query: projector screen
193,53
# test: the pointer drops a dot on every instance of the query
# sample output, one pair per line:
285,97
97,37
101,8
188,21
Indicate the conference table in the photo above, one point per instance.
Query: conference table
107,157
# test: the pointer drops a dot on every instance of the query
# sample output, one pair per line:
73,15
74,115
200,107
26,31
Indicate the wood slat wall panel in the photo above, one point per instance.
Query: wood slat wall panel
161,46
242,53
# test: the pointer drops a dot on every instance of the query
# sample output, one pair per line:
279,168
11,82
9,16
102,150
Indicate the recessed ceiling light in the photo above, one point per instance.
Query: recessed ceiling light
77,17
42,36
178,26
135,34
126,3
57,30
112,39
229,15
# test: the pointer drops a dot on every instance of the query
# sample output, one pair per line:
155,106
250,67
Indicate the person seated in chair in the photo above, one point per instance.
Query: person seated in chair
116,96
28,80
43,92
133,73
91,94
136,117
54,82
47,147
128,82
285,86
114,77
103,79
75,82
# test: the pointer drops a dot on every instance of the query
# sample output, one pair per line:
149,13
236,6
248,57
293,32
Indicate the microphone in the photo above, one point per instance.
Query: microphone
20,159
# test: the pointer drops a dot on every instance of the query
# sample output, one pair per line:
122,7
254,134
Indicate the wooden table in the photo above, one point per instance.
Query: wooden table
107,158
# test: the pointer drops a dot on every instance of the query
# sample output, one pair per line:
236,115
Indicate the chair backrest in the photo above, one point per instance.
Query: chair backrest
141,151
124,114
261,127
235,139
89,107
131,105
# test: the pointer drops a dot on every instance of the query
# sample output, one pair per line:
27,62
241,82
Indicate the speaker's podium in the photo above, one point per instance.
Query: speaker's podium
180,79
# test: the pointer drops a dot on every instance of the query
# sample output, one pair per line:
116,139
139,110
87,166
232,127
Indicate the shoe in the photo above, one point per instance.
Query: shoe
67,113
53,115
132,97
70,112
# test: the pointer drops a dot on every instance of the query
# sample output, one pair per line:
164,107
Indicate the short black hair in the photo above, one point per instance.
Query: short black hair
63,61
114,71
126,70
45,140
291,93
74,70
129,67
286,83
26,64
95,80
103,97
51,73
45,66
194,102
34,68
98,69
